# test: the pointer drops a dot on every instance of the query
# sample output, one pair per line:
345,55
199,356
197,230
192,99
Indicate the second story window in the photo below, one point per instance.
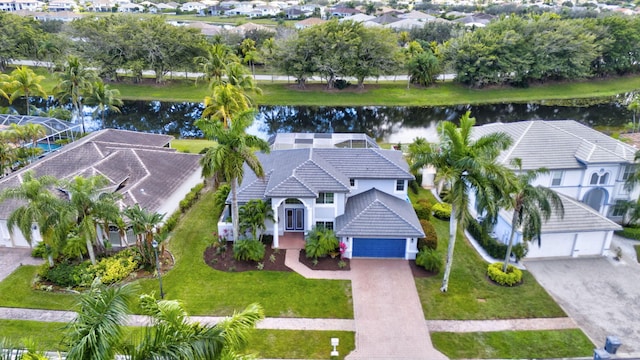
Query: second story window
325,198
352,183
627,172
599,179
399,185
556,178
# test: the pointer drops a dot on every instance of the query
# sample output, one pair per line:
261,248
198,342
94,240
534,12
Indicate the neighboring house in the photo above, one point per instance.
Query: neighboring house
62,5
139,166
417,15
193,6
303,24
130,8
247,27
586,167
360,193
358,18
341,12
17,5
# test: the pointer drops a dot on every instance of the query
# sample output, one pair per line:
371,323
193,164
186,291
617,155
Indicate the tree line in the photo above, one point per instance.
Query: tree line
512,50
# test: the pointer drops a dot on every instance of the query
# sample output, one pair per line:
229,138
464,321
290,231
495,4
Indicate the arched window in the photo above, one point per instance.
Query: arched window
594,179
599,178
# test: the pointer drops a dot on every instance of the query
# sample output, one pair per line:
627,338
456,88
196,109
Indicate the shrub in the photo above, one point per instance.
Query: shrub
249,250
220,197
39,251
493,247
320,242
61,274
171,222
629,232
429,259
430,239
341,84
512,277
115,268
442,211
190,199
423,209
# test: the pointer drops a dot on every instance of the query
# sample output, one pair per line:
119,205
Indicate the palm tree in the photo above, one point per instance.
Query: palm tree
144,224
234,148
531,205
104,99
6,84
471,167
88,202
253,215
26,83
76,81
40,207
225,101
214,64
98,330
7,156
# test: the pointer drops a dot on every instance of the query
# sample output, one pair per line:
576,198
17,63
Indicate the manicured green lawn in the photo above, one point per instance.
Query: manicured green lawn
514,344
205,291
471,296
271,344
46,335
193,146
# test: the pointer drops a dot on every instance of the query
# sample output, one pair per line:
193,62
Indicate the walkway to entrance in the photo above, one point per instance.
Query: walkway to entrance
291,240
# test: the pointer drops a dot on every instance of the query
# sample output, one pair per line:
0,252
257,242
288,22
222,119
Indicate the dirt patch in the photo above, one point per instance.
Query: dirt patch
419,271
222,259
325,263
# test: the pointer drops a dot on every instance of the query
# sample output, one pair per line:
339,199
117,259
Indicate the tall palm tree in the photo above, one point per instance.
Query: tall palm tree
471,167
40,207
87,204
253,215
104,99
234,148
531,206
144,224
75,82
214,64
26,83
226,101
6,84
98,330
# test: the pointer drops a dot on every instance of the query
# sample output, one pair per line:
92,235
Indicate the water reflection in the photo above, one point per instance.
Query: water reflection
384,123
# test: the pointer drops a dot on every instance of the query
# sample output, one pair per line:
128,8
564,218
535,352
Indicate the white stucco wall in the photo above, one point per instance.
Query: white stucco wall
17,238
385,185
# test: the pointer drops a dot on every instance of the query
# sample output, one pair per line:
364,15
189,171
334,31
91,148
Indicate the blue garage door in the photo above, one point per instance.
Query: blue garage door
379,248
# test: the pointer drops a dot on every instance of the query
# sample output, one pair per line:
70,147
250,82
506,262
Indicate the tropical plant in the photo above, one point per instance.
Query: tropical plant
531,206
320,242
75,82
471,167
233,150
225,102
88,203
214,64
41,208
253,215
509,277
104,99
25,83
429,259
442,211
98,330
144,224
248,250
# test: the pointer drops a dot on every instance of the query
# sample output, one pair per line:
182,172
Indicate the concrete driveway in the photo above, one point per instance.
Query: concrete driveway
11,258
602,295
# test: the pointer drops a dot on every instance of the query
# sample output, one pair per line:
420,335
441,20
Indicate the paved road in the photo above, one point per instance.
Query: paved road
600,294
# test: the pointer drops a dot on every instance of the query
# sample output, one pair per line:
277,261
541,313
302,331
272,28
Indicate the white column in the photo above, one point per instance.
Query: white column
276,239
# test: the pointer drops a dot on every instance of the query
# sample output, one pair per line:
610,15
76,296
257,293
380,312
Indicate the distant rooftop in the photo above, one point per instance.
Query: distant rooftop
283,141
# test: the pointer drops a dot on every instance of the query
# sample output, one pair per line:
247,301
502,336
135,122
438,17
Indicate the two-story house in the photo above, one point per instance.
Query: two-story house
586,167
360,193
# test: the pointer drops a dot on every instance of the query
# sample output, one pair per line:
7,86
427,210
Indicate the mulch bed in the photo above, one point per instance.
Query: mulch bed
419,271
325,263
223,260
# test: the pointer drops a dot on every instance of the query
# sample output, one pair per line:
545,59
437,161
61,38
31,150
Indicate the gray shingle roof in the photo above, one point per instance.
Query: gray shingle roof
375,213
146,174
578,217
307,172
564,144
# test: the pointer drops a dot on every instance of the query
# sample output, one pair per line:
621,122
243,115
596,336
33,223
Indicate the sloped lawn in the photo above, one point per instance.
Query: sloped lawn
205,291
471,296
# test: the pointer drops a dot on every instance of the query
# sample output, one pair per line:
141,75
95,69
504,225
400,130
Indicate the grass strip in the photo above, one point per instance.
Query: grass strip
471,296
514,344
272,344
193,146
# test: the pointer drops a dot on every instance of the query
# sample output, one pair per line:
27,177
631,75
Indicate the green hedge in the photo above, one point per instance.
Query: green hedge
423,209
495,249
630,233
442,211
512,277
430,239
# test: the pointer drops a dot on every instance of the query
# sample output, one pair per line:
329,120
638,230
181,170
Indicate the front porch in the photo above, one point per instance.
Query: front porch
292,240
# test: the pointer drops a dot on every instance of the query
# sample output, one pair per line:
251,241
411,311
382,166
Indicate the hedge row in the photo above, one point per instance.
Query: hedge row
494,248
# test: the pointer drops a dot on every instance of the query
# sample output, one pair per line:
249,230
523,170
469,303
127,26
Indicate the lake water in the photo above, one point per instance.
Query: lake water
383,123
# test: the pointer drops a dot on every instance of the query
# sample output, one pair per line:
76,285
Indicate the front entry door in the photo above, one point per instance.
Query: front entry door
295,220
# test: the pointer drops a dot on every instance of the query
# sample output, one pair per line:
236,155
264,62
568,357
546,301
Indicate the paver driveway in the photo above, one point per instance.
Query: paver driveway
389,319
12,258
600,294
